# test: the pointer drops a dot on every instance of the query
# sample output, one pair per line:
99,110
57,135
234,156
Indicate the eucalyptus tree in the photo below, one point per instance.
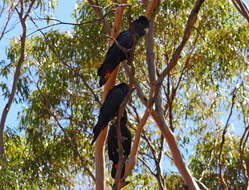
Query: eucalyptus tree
203,99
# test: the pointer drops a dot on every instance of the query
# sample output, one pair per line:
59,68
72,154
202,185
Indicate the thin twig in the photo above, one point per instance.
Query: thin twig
223,137
9,15
99,151
59,22
157,160
242,8
189,26
147,166
99,13
17,72
121,110
72,142
66,65
243,141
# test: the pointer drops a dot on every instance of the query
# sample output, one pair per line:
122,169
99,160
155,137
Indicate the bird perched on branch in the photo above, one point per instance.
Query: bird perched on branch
112,143
110,107
115,55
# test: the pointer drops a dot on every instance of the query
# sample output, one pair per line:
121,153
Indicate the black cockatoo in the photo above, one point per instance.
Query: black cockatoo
125,39
110,107
112,143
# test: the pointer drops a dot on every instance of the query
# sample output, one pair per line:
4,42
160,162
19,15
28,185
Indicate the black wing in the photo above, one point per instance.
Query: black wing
127,142
115,55
111,105
112,145
125,39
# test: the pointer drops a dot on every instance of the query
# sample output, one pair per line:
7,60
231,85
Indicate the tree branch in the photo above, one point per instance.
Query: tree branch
73,70
118,131
242,8
29,9
4,28
99,151
158,174
158,116
136,142
59,22
100,14
99,156
70,139
170,138
223,138
243,141
16,75
189,26
147,166
152,8
177,157
150,59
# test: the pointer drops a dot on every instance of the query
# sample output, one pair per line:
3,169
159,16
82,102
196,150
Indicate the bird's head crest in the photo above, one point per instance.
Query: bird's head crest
144,20
124,87
140,25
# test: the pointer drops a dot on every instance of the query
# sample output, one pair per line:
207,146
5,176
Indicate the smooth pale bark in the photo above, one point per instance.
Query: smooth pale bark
22,16
99,151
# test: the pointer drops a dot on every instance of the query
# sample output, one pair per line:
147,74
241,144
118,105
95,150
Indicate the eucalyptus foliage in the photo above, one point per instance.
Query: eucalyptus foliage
59,87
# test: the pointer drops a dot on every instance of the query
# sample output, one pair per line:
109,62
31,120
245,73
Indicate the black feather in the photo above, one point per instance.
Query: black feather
114,169
114,54
110,107
112,143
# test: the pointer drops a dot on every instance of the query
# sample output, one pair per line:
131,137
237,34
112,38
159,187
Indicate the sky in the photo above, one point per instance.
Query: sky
62,12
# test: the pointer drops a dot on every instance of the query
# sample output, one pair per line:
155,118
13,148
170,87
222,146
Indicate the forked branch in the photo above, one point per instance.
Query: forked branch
242,8
22,16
